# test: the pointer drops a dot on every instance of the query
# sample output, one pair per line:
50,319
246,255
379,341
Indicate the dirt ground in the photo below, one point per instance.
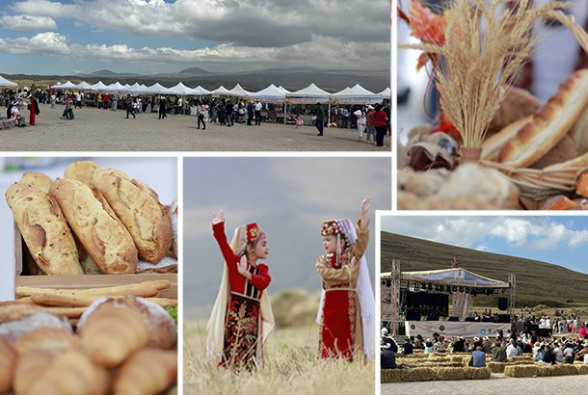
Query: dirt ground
105,130
497,384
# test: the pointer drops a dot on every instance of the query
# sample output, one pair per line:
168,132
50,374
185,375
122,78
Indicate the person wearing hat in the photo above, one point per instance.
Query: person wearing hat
33,109
347,307
459,345
242,317
387,356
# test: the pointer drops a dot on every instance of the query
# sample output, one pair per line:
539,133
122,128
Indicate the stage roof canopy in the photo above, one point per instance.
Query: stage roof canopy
457,276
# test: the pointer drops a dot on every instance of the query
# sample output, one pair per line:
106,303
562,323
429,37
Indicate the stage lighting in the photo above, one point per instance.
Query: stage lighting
454,289
383,283
388,283
461,289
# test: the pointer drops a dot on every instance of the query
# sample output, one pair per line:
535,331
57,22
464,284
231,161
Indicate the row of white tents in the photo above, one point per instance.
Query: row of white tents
272,93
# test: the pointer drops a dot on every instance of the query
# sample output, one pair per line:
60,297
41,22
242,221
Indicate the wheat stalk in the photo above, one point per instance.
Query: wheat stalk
483,50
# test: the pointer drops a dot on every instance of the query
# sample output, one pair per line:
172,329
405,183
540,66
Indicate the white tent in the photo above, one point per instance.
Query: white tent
283,89
238,91
310,94
221,91
5,82
99,86
271,93
386,93
83,86
67,85
156,88
116,87
135,89
356,95
180,89
200,91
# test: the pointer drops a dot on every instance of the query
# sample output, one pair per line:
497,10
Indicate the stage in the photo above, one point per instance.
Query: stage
454,329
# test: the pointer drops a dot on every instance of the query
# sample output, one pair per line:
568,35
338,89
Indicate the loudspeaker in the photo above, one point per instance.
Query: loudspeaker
544,332
502,304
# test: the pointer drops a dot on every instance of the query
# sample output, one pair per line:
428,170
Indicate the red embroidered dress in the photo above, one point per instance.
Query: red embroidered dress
242,335
341,334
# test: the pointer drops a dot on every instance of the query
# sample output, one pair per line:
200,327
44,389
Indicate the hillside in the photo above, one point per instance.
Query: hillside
537,282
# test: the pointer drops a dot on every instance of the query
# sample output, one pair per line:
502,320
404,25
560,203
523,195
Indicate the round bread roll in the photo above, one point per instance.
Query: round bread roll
47,339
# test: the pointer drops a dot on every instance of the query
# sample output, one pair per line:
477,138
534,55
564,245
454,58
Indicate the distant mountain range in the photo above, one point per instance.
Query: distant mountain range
537,282
291,79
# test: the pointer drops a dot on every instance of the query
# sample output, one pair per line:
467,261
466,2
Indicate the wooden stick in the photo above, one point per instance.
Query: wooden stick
146,289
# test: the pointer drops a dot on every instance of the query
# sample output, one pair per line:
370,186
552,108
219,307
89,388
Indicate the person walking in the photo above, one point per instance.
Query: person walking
320,115
258,113
381,123
162,105
201,113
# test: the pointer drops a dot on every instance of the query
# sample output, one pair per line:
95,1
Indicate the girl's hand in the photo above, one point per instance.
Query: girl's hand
366,203
218,217
242,267
353,263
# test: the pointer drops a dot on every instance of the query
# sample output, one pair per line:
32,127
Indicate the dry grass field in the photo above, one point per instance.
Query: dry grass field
292,367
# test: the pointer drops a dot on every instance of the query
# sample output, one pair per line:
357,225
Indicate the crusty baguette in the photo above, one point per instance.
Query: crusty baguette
82,170
491,146
68,312
145,218
580,162
550,125
44,229
580,132
138,289
38,180
147,372
86,300
97,227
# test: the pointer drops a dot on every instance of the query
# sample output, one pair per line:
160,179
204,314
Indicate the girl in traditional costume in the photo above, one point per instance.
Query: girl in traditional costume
242,318
347,308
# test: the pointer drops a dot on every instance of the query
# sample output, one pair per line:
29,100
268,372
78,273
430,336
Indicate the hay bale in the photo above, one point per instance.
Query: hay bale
496,367
520,371
582,369
526,357
449,373
459,358
477,373
407,375
391,375
566,370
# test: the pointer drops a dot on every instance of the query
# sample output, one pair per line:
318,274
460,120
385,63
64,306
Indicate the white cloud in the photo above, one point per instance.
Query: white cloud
27,23
540,233
228,55
483,247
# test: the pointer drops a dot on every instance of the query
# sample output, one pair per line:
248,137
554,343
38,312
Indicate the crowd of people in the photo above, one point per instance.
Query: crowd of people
543,350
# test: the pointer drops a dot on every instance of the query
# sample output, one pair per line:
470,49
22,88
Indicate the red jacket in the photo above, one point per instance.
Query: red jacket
260,278
380,118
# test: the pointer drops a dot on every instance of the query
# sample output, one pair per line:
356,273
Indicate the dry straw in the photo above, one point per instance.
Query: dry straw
486,45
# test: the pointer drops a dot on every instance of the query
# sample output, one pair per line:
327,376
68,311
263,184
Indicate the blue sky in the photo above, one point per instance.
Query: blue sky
561,240
151,36
289,198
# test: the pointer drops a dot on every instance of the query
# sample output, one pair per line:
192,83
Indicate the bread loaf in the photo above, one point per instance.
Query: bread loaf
145,218
580,131
44,229
111,333
82,171
38,180
173,213
491,146
47,339
98,228
148,372
67,373
7,365
550,125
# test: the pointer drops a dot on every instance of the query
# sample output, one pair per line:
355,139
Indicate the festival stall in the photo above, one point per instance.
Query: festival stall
238,91
5,82
355,95
417,301
67,85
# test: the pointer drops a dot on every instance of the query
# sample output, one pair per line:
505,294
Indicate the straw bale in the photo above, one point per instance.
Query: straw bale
477,373
521,371
450,373
496,367
582,369
526,357
407,375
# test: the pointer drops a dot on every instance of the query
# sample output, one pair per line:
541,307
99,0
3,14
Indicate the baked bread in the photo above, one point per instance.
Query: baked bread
145,218
38,180
147,372
47,339
563,151
12,311
111,333
44,229
549,125
518,104
173,214
97,227
67,373
82,170
492,145
580,131
7,365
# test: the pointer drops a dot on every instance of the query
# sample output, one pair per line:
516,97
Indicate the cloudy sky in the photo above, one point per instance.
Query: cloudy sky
561,240
149,36
289,198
